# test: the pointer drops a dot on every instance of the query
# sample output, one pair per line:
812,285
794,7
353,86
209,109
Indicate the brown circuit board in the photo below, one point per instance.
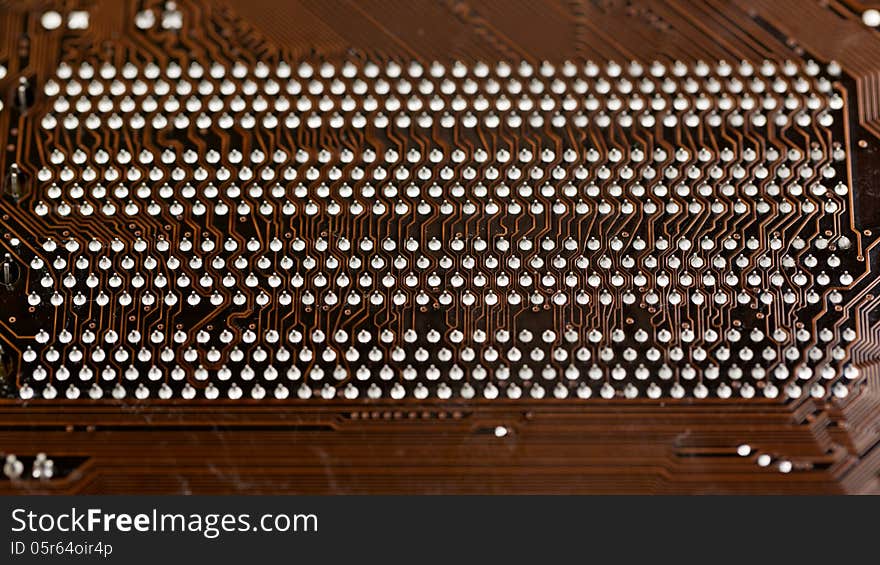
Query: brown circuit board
400,246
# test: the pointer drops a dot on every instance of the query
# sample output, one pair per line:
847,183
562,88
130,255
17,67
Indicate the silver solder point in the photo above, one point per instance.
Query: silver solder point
21,94
14,181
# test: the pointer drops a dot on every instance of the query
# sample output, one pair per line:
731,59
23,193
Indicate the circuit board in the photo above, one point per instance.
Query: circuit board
501,246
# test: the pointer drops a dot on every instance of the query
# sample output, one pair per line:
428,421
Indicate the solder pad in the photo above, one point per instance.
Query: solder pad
538,235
